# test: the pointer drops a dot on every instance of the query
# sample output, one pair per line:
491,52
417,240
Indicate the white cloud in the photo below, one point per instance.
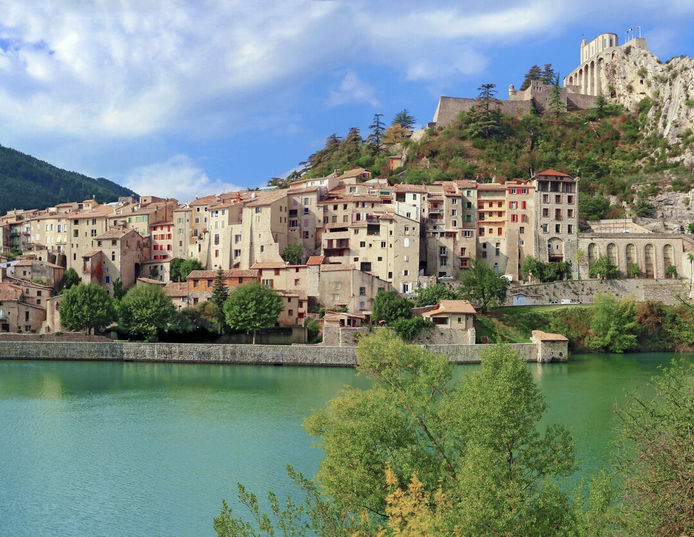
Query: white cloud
353,90
178,177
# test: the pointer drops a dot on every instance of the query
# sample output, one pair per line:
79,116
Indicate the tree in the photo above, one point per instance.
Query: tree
531,267
671,271
475,441
86,307
404,119
395,134
376,137
656,456
487,116
603,268
146,310
690,258
70,278
600,105
294,253
690,227
220,293
180,268
252,307
549,75
592,208
388,307
555,104
118,291
633,270
534,73
613,325
409,329
482,286
433,294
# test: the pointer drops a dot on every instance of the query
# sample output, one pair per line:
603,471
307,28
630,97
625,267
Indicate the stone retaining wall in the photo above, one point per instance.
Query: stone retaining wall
309,355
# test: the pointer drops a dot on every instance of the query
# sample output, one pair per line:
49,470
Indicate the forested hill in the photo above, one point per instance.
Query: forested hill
30,183
622,161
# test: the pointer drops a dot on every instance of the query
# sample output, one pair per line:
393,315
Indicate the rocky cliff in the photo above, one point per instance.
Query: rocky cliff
630,73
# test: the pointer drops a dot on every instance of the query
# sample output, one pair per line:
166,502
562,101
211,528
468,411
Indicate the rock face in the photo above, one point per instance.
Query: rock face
628,73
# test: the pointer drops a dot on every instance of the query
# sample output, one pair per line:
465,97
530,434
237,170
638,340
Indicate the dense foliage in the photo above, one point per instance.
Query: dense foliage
251,307
86,307
294,253
482,286
29,183
146,311
433,294
545,272
70,278
180,268
389,306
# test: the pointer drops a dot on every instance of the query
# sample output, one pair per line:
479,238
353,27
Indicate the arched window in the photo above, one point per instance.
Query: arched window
612,253
593,253
650,261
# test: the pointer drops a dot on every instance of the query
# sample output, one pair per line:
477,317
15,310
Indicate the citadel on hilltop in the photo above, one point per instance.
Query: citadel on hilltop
579,92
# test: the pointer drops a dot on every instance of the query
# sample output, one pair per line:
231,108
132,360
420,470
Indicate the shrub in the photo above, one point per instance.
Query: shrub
409,329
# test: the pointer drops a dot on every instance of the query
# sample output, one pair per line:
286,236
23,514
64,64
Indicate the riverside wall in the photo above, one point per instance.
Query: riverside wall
296,355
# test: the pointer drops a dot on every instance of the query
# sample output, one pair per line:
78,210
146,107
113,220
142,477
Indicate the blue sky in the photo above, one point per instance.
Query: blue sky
189,98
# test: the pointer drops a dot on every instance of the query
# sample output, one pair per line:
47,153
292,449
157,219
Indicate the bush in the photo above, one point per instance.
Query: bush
388,307
313,330
409,329
613,325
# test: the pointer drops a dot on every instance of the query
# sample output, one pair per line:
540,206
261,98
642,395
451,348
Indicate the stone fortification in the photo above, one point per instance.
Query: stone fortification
628,73
296,355
449,108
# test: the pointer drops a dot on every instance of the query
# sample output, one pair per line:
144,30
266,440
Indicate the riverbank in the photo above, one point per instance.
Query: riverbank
281,355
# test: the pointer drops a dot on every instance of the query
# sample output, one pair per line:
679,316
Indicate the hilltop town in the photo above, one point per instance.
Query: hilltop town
333,242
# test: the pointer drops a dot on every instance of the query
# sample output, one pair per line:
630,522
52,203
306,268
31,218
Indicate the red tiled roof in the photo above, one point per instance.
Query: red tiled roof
452,306
176,289
553,173
315,260
547,336
233,273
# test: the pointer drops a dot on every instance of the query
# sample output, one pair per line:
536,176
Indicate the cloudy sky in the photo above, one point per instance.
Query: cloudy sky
187,98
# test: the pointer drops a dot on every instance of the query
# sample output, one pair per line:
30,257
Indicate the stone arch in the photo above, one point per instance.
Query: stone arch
555,249
591,79
612,253
631,255
649,267
668,256
593,253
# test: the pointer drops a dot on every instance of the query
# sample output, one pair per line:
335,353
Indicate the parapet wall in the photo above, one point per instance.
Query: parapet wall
308,355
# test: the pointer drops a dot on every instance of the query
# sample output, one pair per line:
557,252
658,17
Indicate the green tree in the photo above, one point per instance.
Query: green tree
180,268
633,270
118,291
690,258
600,105
294,253
555,104
70,278
375,139
482,286
433,294
592,208
671,271
146,311
690,227
486,116
404,119
534,73
220,293
549,75
252,307
475,441
86,307
531,267
603,268
388,307
613,324
656,456
409,329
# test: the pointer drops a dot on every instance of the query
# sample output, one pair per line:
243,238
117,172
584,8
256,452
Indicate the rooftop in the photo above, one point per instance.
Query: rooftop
452,306
547,336
232,273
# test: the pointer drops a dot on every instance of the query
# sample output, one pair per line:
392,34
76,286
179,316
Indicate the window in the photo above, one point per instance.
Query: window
521,230
499,231
405,272
306,211
557,198
545,198
338,285
362,244
497,249
513,205
468,205
336,298
569,199
545,228
262,248
406,242
267,283
514,218
296,282
454,212
570,228
362,291
557,228
570,213
467,234
455,223
545,212
195,283
523,205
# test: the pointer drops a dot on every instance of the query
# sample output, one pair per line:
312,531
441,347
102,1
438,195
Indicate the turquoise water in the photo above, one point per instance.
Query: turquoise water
124,449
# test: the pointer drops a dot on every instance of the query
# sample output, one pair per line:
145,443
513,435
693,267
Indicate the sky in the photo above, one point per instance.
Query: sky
188,98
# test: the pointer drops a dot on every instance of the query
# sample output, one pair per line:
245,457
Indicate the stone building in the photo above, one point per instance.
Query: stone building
454,317
18,313
115,254
201,282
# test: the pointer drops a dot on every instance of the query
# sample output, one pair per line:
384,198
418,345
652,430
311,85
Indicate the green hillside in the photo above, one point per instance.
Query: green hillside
615,152
29,183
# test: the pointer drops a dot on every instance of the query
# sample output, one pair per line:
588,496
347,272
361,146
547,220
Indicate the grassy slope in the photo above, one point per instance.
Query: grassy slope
29,183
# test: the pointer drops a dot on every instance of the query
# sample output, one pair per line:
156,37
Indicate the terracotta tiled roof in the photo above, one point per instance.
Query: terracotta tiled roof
205,200
466,183
452,306
490,186
267,198
409,188
315,260
270,265
114,234
176,289
233,273
553,173
547,336
10,292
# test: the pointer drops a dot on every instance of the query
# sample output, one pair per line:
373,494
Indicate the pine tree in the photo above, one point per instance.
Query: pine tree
548,75
488,116
220,293
405,119
535,73
376,137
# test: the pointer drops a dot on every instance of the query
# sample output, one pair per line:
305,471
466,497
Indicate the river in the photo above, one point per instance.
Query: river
141,449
